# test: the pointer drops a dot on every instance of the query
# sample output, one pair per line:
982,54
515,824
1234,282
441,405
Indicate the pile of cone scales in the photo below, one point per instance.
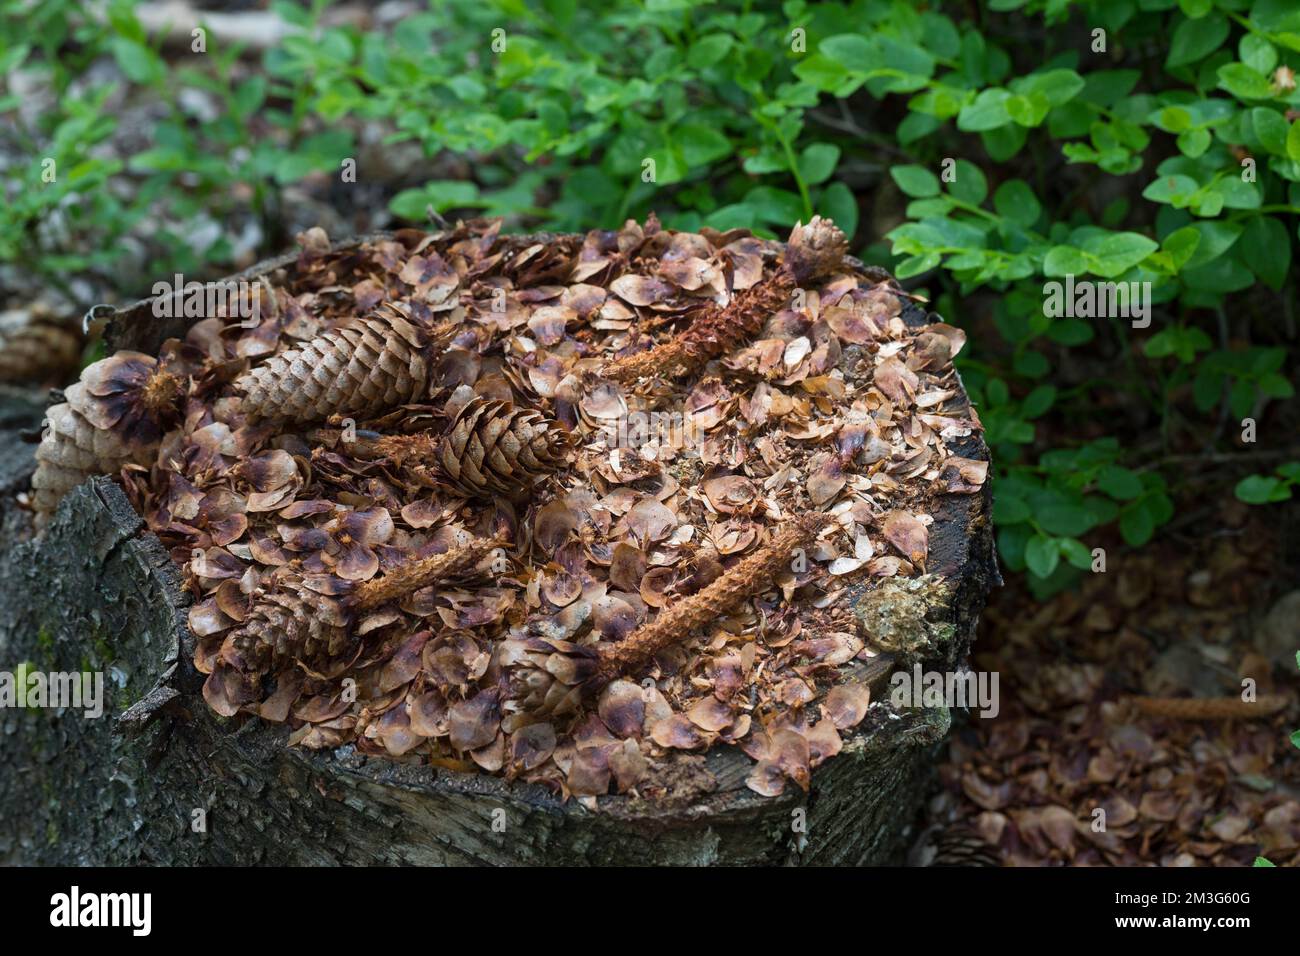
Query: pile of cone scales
551,509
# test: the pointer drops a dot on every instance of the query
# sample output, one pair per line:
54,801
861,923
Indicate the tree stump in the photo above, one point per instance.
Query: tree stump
160,779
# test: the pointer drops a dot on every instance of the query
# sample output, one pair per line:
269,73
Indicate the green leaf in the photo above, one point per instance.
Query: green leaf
701,144
1194,142
915,265
1038,401
1244,83
1016,201
1066,331
1031,364
1056,86
1221,275
1237,194
708,50
1120,483
1259,860
1271,128
1257,53
837,202
1174,119
1195,39
1116,253
1004,142
987,111
1266,248
1042,555
1064,518
140,64
1136,525
1064,260
1077,553
1262,489
968,183
818,162
1008,509
1028,110
851,50
1180,244
1216,239
915,181
442,195
1293,141
775,207
825,73
1276,385
1176,190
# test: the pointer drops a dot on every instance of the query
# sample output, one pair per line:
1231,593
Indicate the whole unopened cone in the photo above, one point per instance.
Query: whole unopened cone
114,415
360,368
495,447
813,252
36,351
489,448
553,676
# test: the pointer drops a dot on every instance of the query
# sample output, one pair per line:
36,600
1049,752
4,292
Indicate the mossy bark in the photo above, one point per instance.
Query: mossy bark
160,779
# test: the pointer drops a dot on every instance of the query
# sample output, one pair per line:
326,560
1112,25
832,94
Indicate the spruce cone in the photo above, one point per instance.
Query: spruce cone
813,252
550,676
289,623
360,368
33,350
956,845
490,448
114,416
494,447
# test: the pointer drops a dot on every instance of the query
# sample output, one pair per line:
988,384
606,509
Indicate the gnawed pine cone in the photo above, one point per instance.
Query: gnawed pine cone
114,416
814,252
300,620
548,676
552,676
361,368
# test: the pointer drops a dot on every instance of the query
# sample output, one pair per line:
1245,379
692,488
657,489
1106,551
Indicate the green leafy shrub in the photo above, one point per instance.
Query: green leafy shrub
995,148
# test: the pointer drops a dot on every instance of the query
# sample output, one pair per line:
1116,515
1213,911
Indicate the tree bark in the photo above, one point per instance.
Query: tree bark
160,779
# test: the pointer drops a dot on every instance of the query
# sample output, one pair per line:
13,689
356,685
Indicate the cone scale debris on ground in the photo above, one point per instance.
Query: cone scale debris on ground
422,510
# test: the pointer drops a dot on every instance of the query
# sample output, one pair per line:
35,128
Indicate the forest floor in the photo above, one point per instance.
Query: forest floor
1203,607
